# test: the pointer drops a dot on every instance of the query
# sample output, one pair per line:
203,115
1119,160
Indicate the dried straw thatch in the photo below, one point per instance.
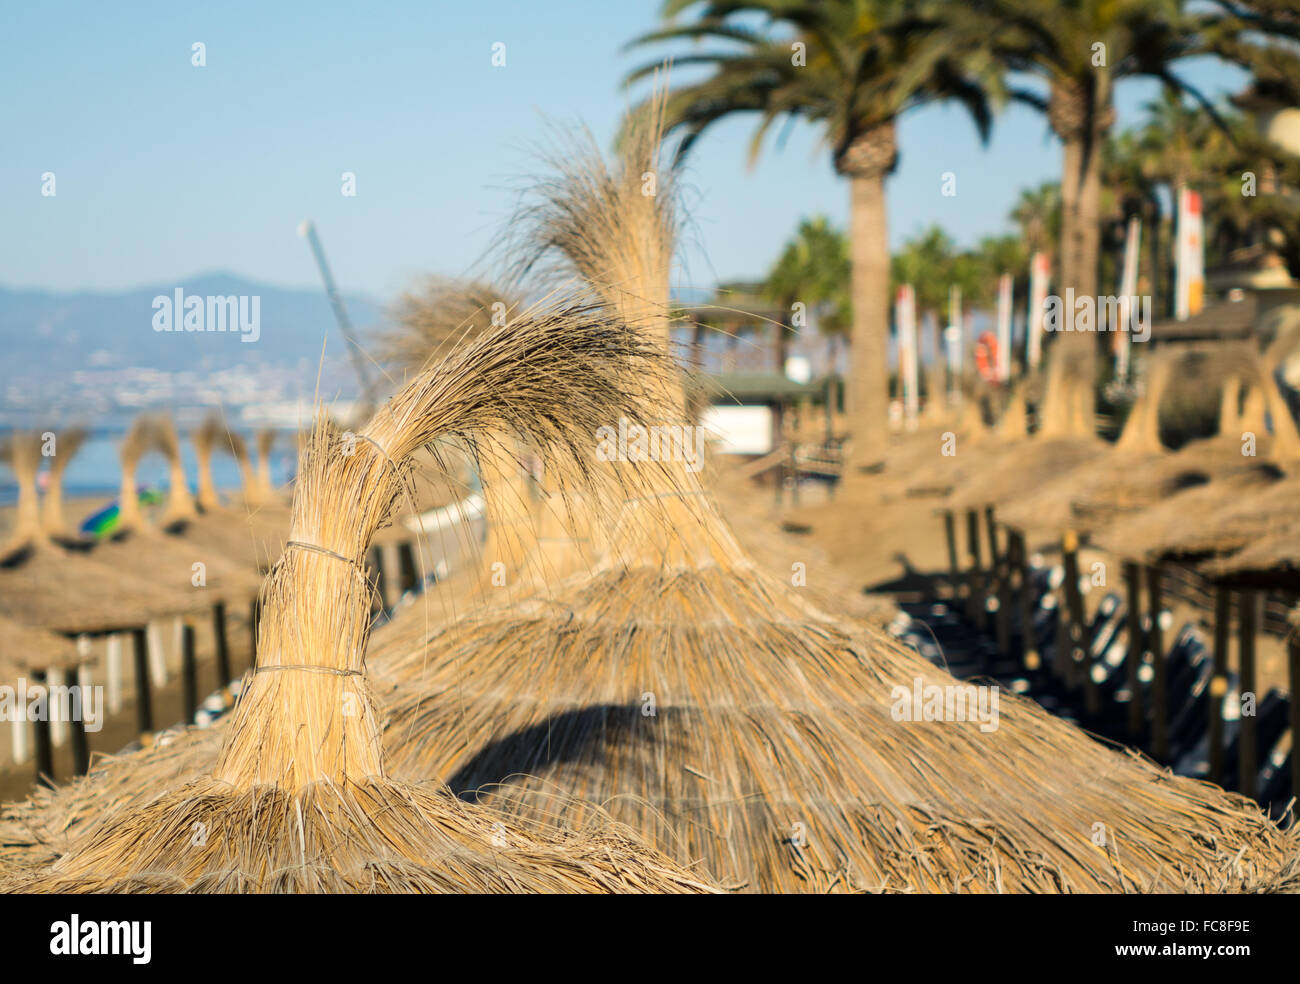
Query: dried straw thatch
1139,472
1216,520
264,484
170,562
22,453
1131,485
772,752
1271,562
47,587
251,534
23,648
612,224
67,442
1201,521
1067,400
973,453
213,435
36,831
518,555
707,706
440,313
299,800
714,710
153,433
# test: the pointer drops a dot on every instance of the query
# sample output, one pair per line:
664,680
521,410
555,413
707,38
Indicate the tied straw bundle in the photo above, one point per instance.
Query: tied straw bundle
715,711
427,322
67,442
252,532
299,799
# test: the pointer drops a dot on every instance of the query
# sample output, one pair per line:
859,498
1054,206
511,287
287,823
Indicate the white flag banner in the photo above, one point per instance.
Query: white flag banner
1004,328
1128,286
1190,255
953,344
905,319
1040,271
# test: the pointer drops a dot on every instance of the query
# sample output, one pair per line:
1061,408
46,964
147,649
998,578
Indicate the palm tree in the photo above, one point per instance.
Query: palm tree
813,269
926,262
1130,190
1037,213
1081,48
853,67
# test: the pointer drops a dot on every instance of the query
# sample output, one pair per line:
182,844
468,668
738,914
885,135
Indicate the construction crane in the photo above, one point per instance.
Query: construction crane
308,231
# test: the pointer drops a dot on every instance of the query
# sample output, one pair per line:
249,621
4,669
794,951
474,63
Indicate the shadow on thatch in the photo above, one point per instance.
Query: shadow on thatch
593,732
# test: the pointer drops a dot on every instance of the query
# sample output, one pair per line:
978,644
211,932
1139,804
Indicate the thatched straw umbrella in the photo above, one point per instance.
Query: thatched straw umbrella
612,226
153,432
1272,561
265,440
42,675
529,543
1129,485
68,441
175,563
729,722
299,799
23,649
206,438
1059,457
252,533
972,452
1213,521
35,831
802,777
22,453
46,587
713,709
440,313
1139,471
25,652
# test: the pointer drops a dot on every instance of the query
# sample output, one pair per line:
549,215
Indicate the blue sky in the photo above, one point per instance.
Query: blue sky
165,170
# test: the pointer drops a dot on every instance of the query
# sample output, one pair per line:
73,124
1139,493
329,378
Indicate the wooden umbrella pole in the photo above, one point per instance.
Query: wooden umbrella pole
80,743
1011,571
221,644
1136,647
406,562
44,740
1077,639
1247,746
975,600
1159,693
1028,638
1219,680
189,673
954,565
1000,588
143,698
1293,675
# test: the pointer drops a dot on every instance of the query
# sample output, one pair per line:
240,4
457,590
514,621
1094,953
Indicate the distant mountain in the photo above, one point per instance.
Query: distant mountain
84,347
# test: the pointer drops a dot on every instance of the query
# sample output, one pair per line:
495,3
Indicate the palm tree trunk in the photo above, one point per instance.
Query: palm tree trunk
1072,158
1081,115
868,409
1087,232
866,161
